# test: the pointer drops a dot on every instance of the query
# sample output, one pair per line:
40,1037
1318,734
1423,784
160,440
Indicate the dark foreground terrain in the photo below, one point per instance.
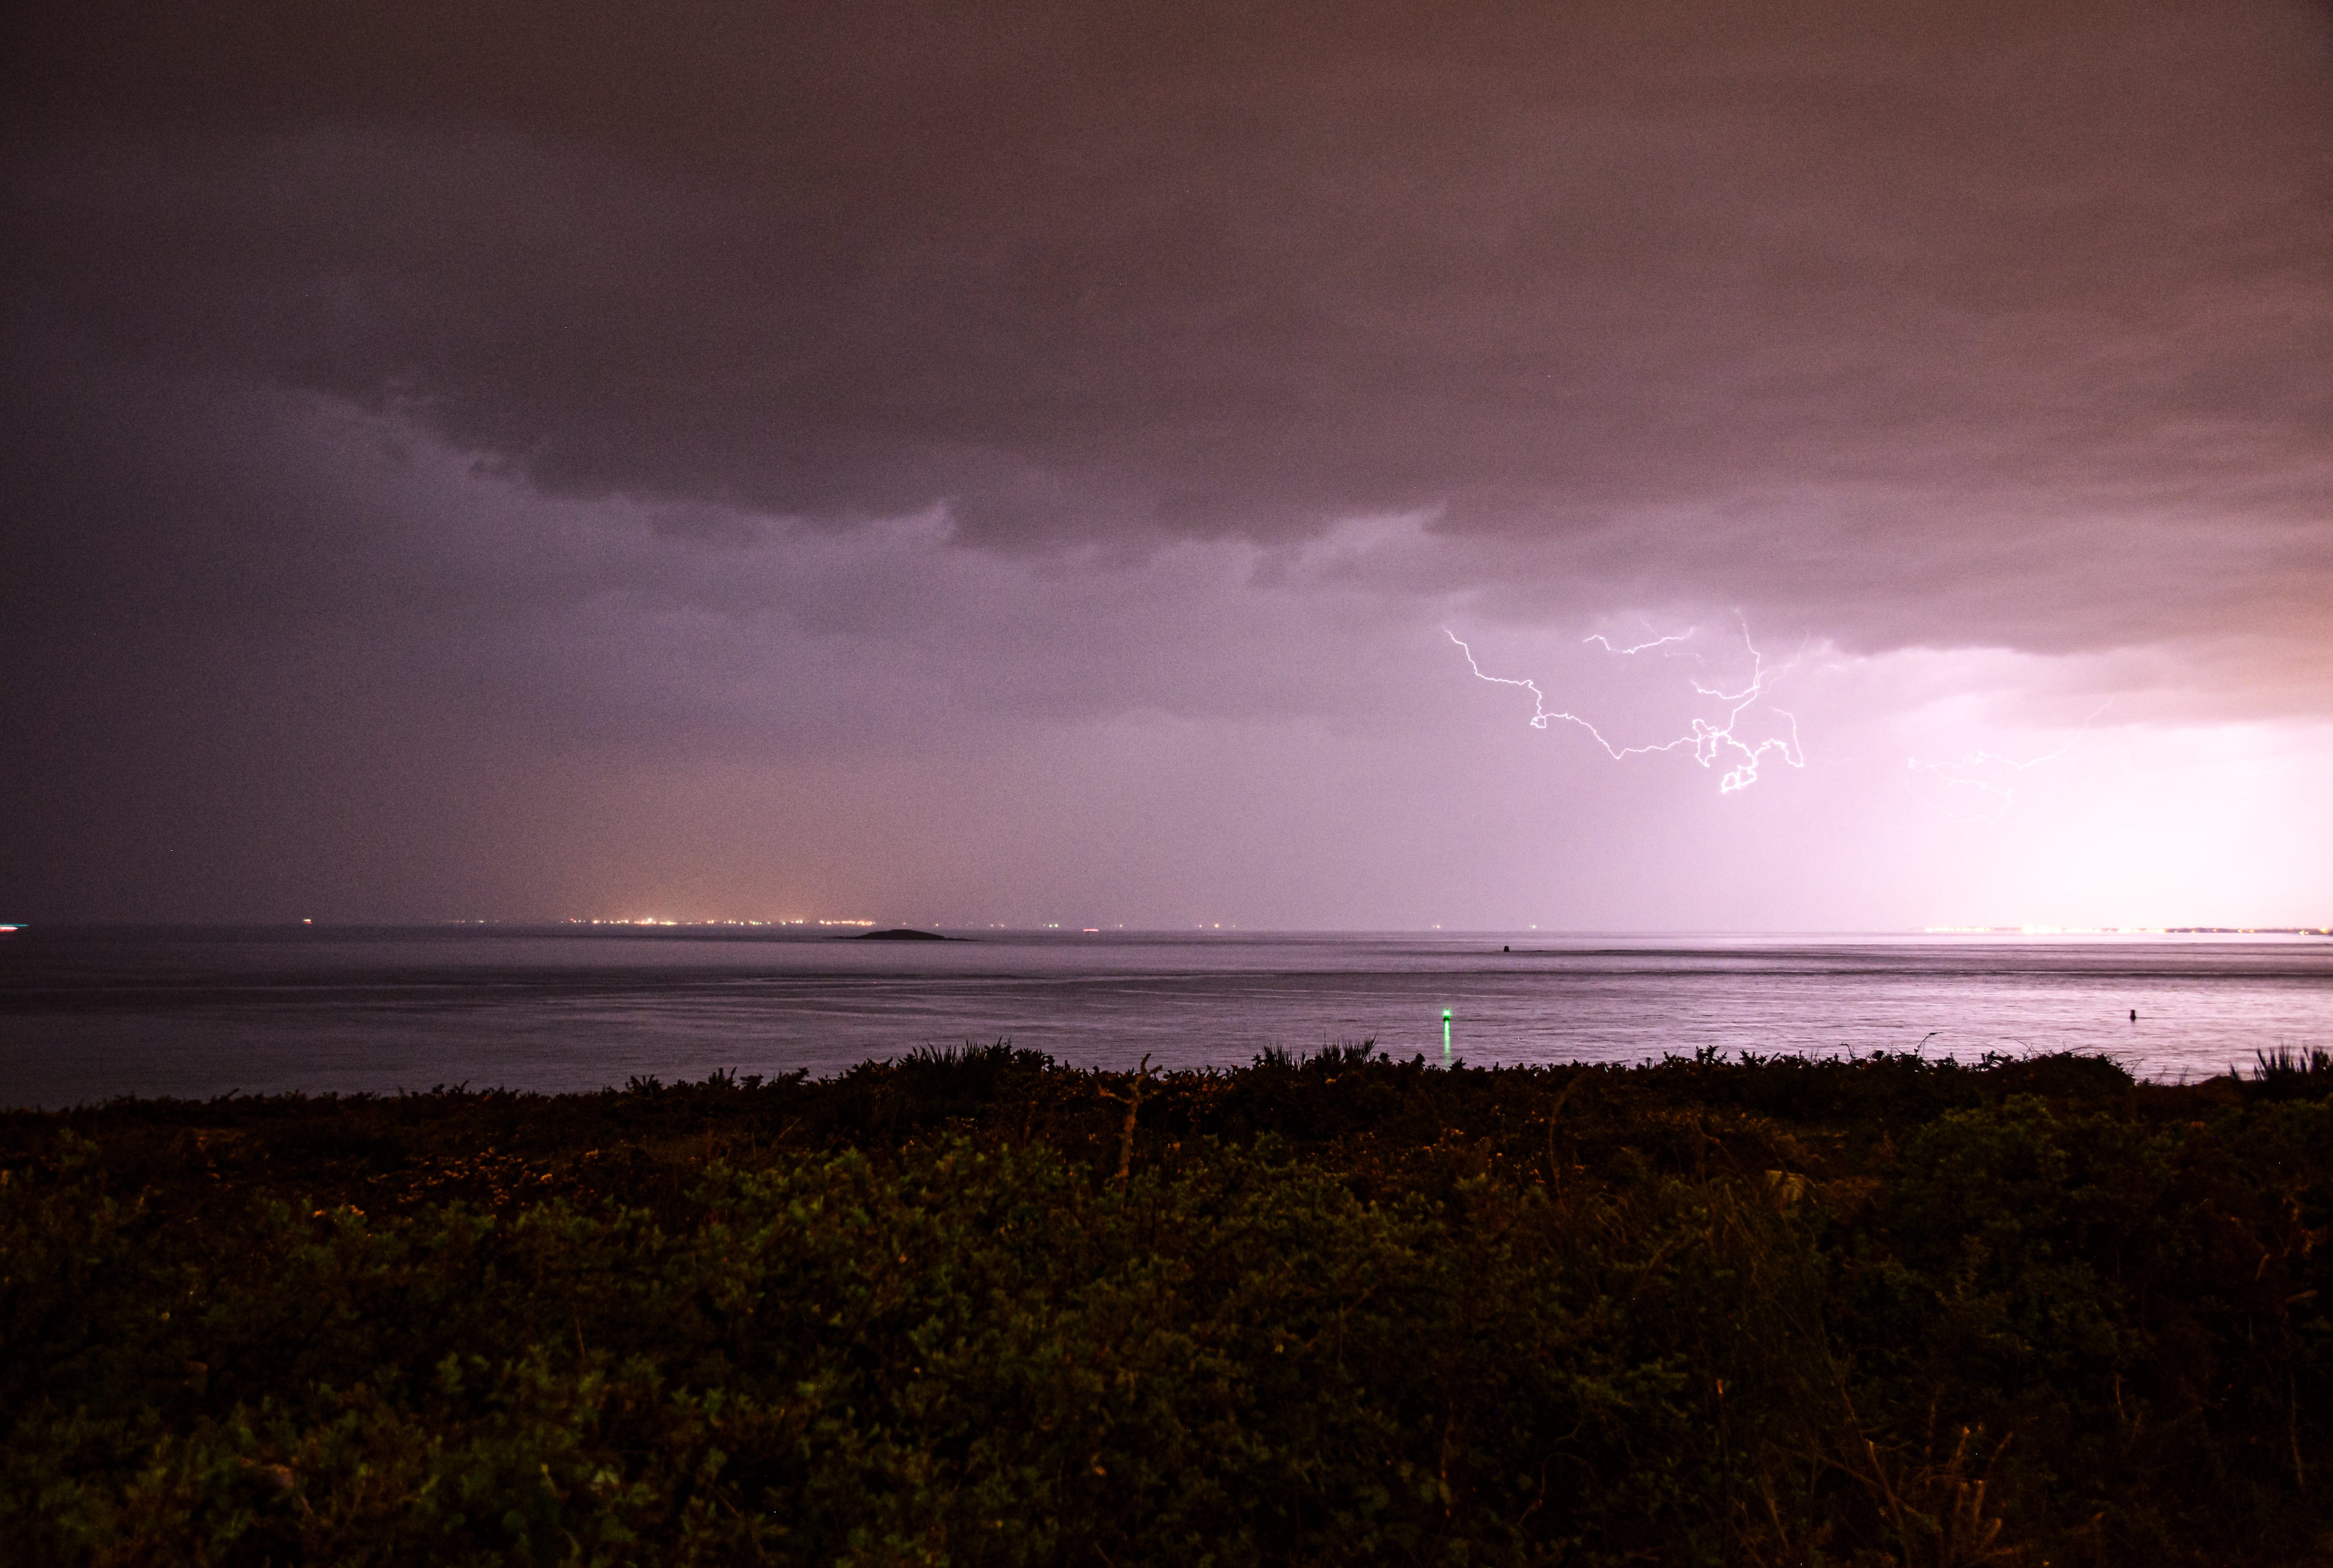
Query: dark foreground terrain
976,1308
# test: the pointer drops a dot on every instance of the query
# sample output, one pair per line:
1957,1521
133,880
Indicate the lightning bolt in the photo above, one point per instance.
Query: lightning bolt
1994,800
1709,744
1656,642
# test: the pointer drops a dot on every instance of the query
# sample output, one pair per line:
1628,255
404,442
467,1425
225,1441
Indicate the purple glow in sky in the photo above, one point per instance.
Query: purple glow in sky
1018,464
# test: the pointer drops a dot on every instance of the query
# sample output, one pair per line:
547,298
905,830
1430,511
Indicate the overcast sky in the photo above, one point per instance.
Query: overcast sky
1026,462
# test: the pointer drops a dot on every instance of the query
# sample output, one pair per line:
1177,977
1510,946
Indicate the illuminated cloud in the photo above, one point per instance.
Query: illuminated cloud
503,455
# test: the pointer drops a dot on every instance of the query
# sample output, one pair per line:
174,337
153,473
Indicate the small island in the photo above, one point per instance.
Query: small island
902,934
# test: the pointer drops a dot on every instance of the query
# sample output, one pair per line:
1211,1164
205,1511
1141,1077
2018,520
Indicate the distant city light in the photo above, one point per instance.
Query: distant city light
659,920
2128,930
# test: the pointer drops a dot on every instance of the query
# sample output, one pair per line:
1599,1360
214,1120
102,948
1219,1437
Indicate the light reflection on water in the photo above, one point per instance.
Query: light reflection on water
84,1016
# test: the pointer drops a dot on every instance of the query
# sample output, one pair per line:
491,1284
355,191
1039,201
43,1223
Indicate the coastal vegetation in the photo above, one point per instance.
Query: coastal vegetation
975,1307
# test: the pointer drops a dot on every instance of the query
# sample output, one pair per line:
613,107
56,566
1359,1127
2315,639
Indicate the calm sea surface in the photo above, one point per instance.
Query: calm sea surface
89,1015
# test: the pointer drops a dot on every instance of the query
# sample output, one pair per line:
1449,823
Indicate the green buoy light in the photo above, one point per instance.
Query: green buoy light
1446,1036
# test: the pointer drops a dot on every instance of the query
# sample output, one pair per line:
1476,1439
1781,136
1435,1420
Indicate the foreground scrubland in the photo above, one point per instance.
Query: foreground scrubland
976,1308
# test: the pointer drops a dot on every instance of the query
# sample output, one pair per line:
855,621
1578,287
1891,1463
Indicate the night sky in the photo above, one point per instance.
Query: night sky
1027,463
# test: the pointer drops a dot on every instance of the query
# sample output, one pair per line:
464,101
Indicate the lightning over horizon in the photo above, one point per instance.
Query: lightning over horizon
1709,742
1956,775
1641,646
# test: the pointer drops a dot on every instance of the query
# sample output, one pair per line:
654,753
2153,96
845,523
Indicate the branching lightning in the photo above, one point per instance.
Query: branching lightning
1656,642
1710,744
1987,801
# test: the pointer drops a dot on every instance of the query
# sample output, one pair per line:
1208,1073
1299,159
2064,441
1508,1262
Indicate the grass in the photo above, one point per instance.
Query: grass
975,1307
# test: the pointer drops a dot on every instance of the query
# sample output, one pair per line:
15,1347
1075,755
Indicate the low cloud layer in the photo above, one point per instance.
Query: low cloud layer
433,424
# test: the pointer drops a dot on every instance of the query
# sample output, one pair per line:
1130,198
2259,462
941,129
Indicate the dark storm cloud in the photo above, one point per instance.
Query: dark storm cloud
270,657
1972,324
523,458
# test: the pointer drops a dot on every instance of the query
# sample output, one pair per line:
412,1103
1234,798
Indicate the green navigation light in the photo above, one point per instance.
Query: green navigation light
1446,1036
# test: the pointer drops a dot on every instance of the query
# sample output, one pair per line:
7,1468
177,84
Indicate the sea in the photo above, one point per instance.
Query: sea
88,1015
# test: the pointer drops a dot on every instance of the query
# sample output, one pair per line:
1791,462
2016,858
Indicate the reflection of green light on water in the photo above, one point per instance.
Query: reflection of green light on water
1446,1036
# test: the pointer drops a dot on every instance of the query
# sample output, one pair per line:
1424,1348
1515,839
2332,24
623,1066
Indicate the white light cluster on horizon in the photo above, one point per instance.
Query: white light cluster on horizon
659,920
2128,930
